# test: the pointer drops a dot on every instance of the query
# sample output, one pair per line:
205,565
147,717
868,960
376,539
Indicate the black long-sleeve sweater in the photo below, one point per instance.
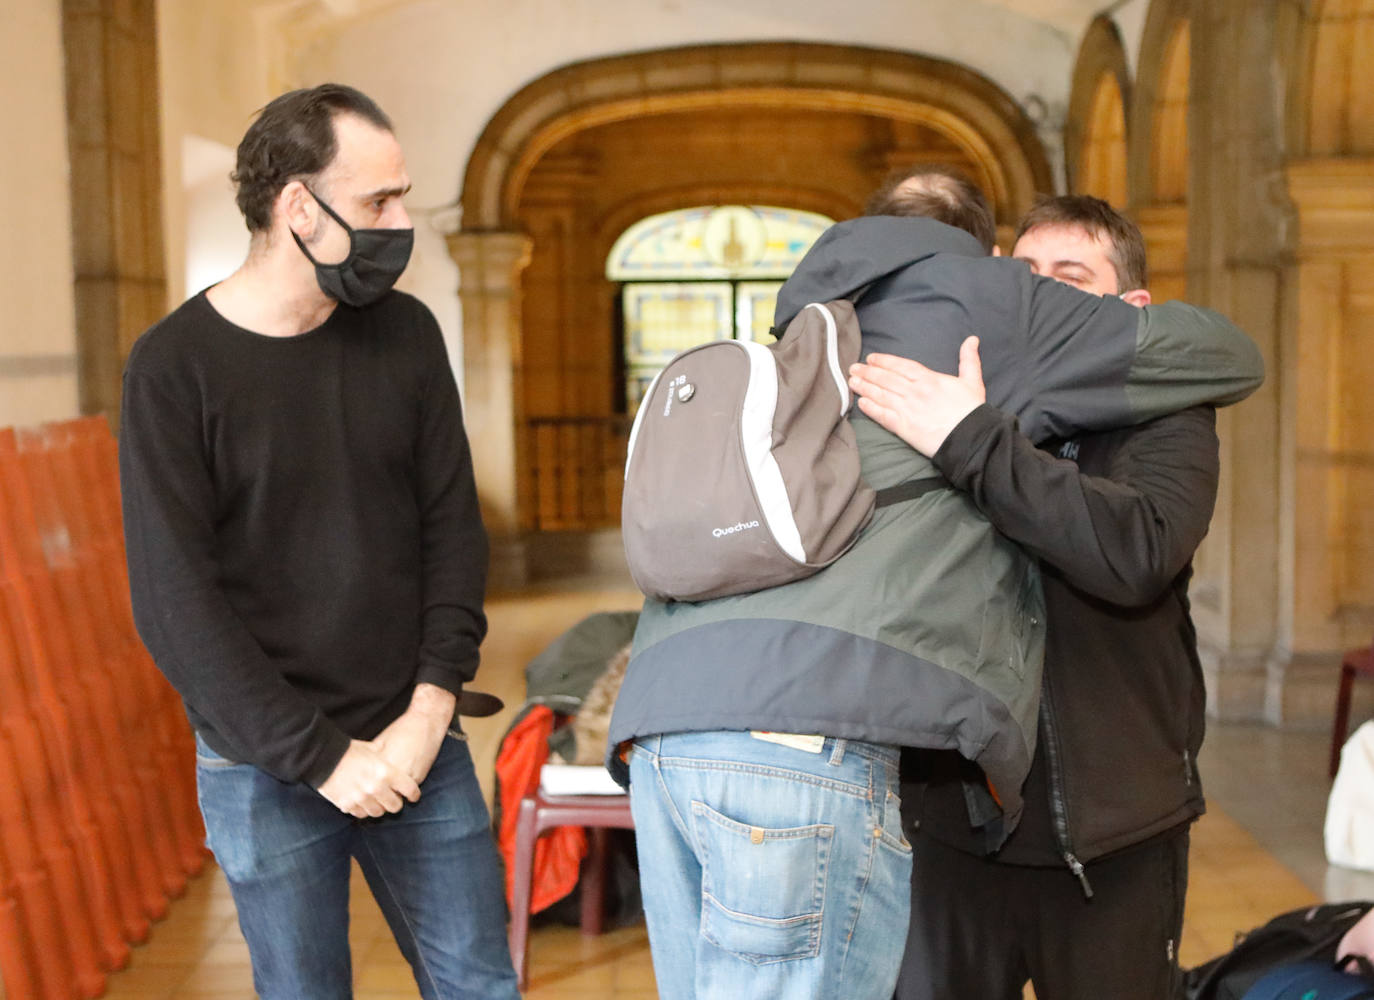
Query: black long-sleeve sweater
302,526
1114,518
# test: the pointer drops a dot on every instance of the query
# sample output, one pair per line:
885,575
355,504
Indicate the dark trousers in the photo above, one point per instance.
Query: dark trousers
982,929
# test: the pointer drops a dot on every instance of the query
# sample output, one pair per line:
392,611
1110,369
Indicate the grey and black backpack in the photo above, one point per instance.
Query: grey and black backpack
743,471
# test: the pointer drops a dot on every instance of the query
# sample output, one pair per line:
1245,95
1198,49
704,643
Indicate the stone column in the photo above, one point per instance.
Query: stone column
1239,253
490,265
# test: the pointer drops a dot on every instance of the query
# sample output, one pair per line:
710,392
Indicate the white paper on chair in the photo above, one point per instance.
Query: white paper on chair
577,779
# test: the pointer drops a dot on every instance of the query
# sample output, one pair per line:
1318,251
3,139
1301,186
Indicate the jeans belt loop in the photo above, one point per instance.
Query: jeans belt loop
837,752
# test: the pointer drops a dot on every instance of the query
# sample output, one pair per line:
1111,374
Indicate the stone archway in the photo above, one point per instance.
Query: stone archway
1159,152
972,110
534,154
1095,133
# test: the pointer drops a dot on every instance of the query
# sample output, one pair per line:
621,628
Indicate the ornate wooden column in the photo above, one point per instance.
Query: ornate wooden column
490,265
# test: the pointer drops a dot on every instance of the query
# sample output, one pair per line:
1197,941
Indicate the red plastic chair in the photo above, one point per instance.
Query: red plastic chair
540,813
1356,663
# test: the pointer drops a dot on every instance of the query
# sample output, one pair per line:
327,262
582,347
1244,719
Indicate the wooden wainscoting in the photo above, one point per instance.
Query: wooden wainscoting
578,471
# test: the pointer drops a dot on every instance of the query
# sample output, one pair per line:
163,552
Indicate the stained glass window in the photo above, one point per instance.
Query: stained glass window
706,273
715,241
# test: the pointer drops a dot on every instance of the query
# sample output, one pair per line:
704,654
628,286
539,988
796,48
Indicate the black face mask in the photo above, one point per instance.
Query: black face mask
376,258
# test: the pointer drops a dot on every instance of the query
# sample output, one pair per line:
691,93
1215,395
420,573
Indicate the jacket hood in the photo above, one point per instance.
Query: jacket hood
851,255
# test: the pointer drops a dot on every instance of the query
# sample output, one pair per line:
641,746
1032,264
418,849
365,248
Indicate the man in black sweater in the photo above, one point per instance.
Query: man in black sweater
1085,899
307,563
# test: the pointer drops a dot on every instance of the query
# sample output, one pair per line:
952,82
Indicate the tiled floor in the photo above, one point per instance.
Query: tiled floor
1256,853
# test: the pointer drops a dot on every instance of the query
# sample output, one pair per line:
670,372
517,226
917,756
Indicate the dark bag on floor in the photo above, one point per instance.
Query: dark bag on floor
1311,981
1307,935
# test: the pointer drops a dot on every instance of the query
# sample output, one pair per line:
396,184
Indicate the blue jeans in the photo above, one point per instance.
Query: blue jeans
769,870
432,868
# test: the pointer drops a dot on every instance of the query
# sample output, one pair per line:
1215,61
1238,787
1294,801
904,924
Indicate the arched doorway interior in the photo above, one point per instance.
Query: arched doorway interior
578,156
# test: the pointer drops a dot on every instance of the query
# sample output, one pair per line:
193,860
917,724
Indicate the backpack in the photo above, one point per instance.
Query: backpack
1309,935
742,471
1311,981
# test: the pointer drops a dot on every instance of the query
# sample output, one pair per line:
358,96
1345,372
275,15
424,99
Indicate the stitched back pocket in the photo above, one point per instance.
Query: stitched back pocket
762,889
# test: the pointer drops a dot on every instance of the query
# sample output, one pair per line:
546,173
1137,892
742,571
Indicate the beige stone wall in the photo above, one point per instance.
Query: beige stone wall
38,369
214,72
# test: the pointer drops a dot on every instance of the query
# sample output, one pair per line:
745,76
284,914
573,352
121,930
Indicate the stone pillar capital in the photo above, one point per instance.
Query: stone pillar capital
489,261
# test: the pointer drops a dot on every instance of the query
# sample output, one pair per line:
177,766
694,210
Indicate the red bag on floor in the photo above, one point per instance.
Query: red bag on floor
558,854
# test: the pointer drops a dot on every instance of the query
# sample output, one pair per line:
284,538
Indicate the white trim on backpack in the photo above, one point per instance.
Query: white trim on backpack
832,355
644,403
756,436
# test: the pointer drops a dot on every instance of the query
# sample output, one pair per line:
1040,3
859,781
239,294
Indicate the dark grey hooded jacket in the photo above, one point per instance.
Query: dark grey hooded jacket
929,632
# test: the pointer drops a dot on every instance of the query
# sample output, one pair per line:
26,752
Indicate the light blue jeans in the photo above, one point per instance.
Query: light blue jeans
432,868
770,871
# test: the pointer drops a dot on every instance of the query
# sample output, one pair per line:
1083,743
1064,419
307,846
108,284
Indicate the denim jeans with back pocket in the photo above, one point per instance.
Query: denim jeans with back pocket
771,869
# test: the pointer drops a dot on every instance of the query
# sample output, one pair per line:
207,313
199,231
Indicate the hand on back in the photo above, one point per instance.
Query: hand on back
917,404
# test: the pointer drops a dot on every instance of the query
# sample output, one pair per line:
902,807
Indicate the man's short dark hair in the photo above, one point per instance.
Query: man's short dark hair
292,138
940,193
1125,245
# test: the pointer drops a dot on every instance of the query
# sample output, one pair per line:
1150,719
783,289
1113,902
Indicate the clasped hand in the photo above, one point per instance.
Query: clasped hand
379,776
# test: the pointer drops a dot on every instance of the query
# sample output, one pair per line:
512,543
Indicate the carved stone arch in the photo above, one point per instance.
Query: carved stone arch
1096,132
1331,78
962,105
1158,108
1158,156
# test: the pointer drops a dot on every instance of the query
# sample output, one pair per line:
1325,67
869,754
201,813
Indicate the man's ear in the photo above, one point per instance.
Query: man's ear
297,209
1137,297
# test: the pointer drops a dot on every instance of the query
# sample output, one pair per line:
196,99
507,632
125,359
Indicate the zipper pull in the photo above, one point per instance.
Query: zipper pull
1187,768
1076,867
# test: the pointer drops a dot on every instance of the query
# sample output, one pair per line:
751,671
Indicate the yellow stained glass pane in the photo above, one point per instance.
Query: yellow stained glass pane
665,317
754,310
662,318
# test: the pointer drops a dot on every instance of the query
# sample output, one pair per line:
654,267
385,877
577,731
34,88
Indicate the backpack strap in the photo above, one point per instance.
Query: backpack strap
910,490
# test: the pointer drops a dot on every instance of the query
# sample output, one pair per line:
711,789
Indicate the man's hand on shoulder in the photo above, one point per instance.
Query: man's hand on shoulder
364,783
412,742
917,404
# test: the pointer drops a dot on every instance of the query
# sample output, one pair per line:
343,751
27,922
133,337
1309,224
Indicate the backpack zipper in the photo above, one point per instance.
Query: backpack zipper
1059,808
